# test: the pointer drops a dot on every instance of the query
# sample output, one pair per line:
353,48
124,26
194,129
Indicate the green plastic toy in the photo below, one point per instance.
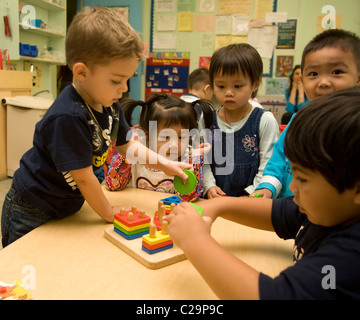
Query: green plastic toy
185,186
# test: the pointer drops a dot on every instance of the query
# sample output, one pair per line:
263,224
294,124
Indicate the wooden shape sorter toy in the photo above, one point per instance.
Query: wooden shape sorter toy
165,206
127,235
131,224
156,241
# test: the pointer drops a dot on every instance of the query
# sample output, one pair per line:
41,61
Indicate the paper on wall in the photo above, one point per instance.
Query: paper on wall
264,40
164,41
164,5
275,17
223,24
185,21
240,24
166,23
207,6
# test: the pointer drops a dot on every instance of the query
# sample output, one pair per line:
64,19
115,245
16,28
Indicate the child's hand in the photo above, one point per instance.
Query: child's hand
203,149
264,193
214,192
186,225
138,134
173,168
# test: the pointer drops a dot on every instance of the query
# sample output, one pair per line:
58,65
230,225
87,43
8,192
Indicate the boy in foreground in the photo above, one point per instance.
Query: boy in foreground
323,216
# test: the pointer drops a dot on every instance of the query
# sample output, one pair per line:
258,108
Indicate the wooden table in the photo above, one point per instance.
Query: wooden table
71,259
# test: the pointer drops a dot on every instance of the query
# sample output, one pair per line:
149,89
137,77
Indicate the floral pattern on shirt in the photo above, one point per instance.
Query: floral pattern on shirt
249,144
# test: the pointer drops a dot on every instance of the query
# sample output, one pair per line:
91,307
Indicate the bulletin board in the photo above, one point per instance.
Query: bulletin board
202,26
167,73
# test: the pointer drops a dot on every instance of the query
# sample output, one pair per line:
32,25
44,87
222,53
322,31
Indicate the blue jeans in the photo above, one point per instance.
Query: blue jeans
19,218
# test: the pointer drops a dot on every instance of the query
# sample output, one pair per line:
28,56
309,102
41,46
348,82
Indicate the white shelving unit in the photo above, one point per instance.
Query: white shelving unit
42,32
54,15
48,4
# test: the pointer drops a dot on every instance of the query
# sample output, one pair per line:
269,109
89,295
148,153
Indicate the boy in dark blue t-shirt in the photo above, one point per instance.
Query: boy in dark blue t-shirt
323,217
71,142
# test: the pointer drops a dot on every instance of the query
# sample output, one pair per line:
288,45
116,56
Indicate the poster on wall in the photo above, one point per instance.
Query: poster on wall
166,75
204,62
284,66
287,34
124,11
276,86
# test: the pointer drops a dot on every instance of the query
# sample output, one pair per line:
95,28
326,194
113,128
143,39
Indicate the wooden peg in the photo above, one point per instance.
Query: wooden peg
164,227
130,216
161,213
160,204
122,212
142,214
133,209
152,232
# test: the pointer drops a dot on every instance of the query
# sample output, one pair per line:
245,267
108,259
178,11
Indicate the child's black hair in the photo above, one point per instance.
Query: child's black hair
233,58
325,137
198,78
168,110
334,38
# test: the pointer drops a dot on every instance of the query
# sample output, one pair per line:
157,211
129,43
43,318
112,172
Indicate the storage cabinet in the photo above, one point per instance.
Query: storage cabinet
24,113
12,83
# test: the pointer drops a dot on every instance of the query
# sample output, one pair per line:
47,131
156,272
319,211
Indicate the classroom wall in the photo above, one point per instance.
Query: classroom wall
307,12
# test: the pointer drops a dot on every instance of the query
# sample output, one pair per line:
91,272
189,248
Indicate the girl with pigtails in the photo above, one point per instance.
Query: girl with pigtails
169,126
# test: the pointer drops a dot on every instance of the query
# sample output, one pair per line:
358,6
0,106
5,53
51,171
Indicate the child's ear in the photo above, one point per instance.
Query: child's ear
207,88
80,71
256,85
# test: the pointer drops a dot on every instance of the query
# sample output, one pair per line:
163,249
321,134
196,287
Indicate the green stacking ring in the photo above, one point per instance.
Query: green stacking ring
188,186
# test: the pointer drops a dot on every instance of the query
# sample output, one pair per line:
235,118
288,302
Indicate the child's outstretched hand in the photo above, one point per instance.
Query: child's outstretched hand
186,226
264,193
174,168
135,152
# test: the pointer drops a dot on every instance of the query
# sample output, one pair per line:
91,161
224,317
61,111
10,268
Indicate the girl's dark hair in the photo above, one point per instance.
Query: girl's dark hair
334,38
291,78
325,137
168,110
233,58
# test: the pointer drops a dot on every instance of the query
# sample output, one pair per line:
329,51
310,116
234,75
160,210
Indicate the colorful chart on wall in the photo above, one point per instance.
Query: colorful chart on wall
167,74
276,86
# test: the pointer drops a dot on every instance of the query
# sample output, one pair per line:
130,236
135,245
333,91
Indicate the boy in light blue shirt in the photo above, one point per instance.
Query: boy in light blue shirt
330,62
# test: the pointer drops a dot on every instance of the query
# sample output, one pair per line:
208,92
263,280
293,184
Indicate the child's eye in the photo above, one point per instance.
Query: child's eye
116,83
336,72
301,180
312,74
